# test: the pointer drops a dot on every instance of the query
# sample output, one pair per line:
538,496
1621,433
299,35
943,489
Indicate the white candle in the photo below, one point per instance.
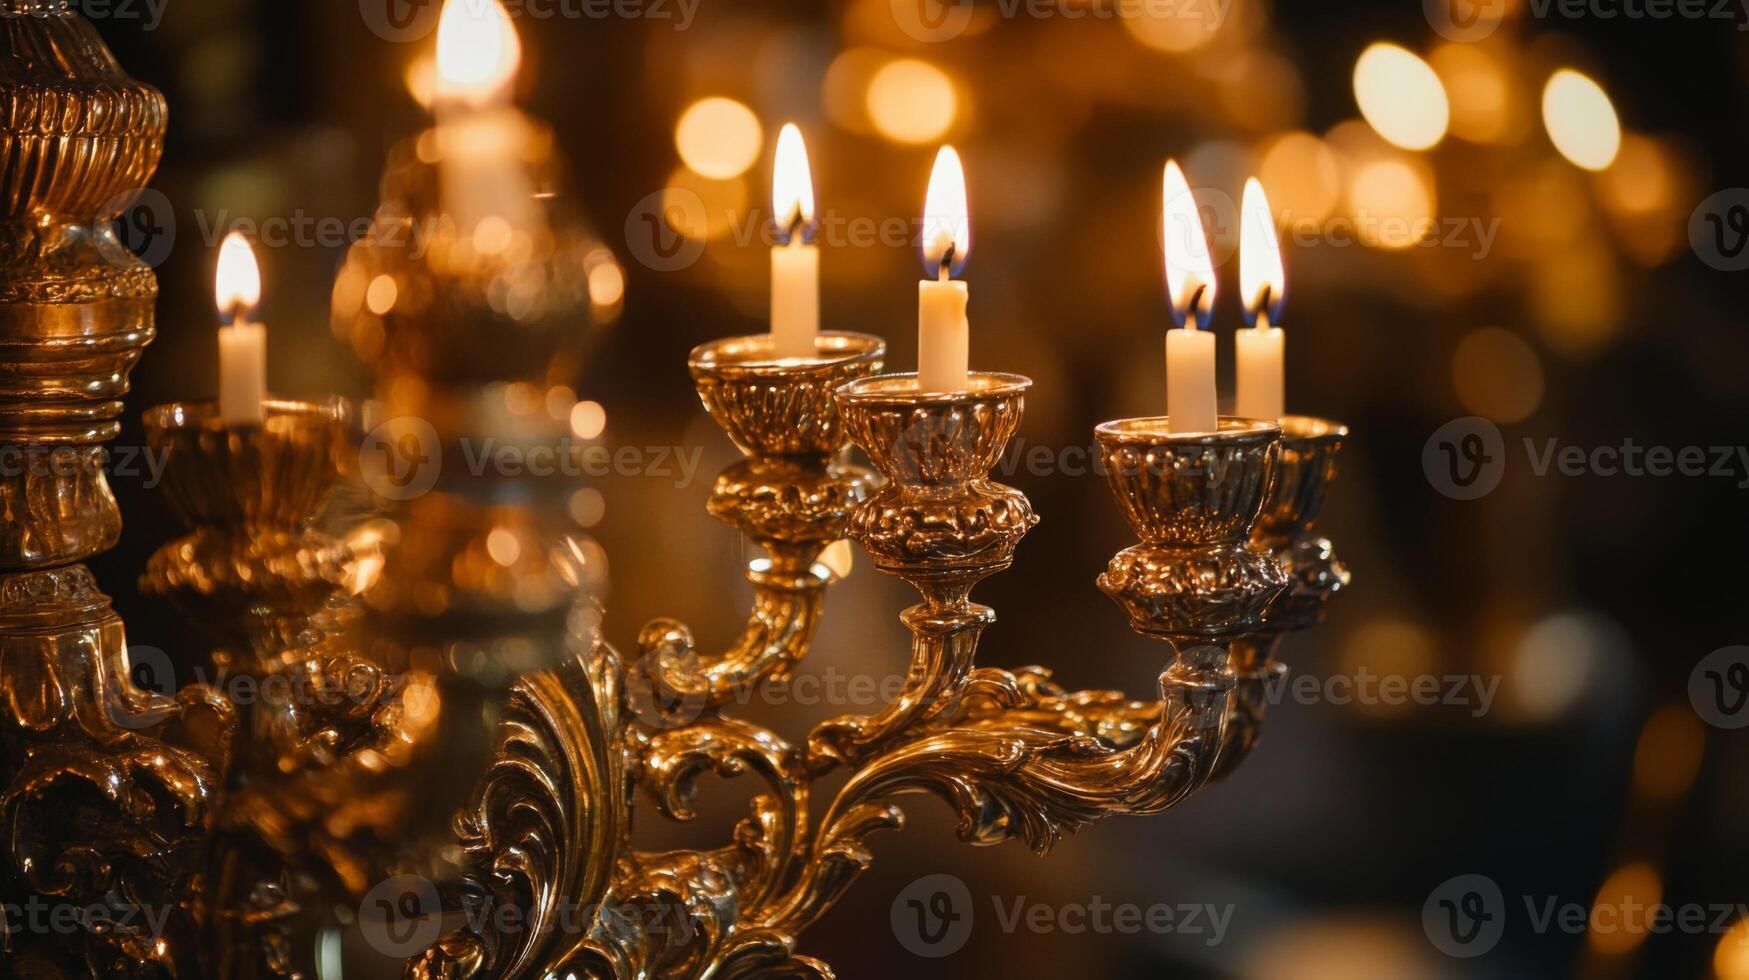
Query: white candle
943,331
1260,349
1190,380
242,344
1190,279
795,262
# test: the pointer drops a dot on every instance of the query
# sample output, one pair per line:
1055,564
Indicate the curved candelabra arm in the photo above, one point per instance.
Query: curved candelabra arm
1258,676
1032,772
673,681
943,649
792,496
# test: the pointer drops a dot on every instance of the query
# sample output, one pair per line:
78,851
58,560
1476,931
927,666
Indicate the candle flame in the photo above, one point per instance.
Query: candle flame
792,184
237,286
478,52
947,226
1262,280
1190,273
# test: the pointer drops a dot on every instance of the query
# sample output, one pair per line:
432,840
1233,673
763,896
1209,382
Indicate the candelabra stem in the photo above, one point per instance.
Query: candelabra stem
944,649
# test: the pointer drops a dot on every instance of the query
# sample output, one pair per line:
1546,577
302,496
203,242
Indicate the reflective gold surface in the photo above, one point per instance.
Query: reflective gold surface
444,709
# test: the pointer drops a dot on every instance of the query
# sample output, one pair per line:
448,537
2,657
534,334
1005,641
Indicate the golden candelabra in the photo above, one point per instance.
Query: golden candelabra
436,724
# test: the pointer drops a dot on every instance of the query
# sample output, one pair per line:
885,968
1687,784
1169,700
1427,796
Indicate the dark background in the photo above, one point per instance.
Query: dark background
1588,599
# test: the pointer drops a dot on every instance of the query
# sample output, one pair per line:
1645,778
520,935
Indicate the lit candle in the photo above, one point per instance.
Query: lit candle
1190,280
242,342
1259,348
486,190
795,262
943,332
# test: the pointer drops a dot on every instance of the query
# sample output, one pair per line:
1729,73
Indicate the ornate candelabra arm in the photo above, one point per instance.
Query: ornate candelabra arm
543,828
1011,774
939,524
791,496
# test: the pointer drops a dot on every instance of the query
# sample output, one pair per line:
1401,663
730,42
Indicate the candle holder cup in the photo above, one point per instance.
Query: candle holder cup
248,492
1194,500
939,519
1309,451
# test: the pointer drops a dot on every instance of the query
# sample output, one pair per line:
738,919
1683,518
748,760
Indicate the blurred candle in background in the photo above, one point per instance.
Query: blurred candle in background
242,342
1259,348
486,189
795,262
943,331
1190,283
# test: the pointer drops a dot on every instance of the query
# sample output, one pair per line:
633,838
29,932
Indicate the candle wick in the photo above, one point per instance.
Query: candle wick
796,223
1192,321
946,270
1260,319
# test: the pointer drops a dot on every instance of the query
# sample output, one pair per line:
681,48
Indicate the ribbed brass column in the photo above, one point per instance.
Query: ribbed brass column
98,808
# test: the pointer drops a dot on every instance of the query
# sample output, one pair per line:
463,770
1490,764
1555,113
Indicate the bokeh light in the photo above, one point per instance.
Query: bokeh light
1497,375
1388,647
1668,755
1580,119
588,419
1174,28
718,137
1618,928
1478,90
1303,178
701,207
1392,204
1401,96
1731,957
911,101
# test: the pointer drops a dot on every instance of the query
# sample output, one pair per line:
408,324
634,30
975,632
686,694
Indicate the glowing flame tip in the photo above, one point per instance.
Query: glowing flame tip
792,183
478,52
947,228
1262,280
1190,275
237,285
